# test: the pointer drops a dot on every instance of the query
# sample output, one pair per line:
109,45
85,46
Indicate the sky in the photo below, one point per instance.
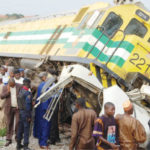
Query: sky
47,7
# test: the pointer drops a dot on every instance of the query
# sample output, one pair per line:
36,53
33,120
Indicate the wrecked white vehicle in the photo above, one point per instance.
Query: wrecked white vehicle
77,80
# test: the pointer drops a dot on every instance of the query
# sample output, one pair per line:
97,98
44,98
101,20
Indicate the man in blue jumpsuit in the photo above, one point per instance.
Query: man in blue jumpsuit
25,109
41,128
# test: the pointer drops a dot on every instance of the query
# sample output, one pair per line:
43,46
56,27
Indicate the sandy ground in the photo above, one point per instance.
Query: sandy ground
63,145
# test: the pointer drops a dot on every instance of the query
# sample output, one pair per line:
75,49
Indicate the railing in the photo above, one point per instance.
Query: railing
96,41
109,38
116,47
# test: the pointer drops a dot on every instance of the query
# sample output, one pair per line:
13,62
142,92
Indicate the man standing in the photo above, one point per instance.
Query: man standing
105,129
131,131
5,76
82,127
25,109
41,128
10,93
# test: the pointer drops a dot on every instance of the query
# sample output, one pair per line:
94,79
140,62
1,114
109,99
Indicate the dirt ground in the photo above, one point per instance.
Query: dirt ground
64,131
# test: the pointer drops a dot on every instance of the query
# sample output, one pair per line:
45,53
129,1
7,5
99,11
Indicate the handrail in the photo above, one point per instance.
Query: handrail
97,40
105,45
116,47
109,38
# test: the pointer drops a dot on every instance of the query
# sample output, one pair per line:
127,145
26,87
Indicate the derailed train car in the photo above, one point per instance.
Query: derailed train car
112,41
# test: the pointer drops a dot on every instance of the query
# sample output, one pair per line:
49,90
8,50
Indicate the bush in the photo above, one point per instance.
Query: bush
2,132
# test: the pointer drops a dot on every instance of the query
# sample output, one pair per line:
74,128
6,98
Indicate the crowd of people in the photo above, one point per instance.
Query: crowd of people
106,132
17,102
120,132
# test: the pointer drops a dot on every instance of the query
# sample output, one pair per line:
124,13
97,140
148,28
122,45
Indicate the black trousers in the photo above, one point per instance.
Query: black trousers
54,132
23,128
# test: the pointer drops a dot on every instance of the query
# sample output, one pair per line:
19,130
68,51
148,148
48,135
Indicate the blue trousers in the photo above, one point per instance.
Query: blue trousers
44,130
23,128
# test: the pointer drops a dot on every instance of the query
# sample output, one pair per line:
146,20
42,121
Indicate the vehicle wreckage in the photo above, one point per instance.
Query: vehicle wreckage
79,78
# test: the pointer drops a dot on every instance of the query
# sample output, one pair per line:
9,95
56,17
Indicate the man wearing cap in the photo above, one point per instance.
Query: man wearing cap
41,128
81,127
131,131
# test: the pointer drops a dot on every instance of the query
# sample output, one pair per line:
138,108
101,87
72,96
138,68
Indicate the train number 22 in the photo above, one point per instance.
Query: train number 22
142,62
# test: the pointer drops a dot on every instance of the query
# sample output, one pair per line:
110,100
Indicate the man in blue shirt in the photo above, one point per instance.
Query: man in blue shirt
25,109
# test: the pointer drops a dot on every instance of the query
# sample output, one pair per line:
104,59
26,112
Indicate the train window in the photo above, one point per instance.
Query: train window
112,23
136,28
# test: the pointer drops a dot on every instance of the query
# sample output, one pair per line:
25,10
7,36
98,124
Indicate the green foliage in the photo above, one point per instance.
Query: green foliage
2,132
